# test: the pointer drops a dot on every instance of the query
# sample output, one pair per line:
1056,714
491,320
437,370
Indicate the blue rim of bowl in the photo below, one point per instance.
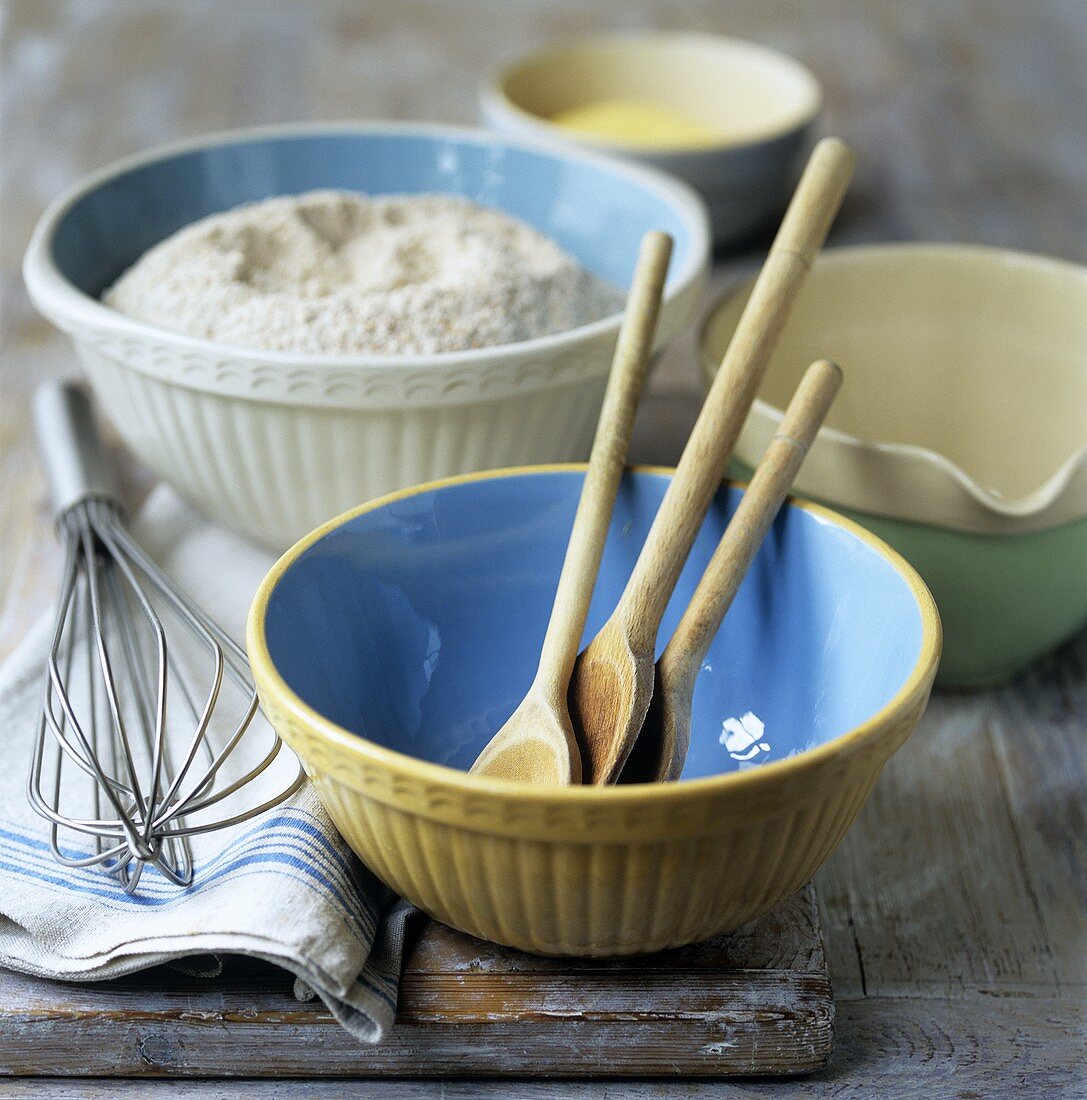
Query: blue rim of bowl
914,689
45,281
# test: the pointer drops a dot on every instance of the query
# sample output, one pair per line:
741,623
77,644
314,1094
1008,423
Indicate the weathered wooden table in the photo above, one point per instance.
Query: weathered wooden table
956,906
754,1003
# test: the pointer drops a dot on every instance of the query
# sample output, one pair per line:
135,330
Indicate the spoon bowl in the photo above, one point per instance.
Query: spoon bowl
538,743
613,680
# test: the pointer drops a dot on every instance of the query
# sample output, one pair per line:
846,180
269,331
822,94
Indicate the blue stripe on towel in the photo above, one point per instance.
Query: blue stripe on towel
286,829
95,884
274,826
292,842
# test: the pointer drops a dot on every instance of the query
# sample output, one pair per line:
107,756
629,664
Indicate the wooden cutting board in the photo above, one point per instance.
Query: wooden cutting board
755,1002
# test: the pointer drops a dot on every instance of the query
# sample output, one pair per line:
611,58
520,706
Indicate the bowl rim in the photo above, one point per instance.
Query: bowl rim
53,292
1038,509
913,691
493,96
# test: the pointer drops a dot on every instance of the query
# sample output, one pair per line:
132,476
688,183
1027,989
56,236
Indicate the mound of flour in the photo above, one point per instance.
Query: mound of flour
337,272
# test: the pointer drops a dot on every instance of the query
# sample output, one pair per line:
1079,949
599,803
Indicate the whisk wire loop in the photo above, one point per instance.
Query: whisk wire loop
127,752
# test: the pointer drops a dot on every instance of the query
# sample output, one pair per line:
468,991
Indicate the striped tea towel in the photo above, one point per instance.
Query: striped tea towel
283,887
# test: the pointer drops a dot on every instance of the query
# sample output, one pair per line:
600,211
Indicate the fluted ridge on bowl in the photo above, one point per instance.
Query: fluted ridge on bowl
587,896
683,810
275,472
278,378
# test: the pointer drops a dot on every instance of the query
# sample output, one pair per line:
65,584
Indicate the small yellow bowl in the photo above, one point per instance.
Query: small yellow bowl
731,118
390,644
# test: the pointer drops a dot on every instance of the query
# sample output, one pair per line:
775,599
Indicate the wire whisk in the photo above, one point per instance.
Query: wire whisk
129,751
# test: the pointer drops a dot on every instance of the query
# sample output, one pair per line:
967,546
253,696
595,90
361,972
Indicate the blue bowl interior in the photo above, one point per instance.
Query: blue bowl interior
418,625
595,211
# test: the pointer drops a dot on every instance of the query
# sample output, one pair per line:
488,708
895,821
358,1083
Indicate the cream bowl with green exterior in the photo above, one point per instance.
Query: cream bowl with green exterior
389,646
960,434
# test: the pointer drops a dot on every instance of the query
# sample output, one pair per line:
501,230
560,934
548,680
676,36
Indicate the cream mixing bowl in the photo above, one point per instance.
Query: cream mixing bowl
273,443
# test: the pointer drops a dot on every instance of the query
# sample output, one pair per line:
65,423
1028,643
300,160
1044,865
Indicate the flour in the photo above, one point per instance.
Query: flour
334,272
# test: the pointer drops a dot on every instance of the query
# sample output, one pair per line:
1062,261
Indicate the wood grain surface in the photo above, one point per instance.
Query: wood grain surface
956,906
755,1003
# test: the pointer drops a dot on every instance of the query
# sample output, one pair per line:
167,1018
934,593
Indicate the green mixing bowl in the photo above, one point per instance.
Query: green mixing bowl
1003,599
960,434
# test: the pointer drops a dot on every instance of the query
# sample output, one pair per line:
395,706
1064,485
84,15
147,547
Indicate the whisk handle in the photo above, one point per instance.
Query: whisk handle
75,459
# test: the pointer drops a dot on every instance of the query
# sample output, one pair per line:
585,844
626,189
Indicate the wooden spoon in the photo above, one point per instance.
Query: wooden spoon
661,749
537,742
613,677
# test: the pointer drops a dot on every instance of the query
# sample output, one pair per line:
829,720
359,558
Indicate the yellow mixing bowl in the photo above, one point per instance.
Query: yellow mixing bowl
391,643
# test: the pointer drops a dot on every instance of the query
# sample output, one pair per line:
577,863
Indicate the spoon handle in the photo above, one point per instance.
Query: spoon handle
761,502
629,369
702,465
